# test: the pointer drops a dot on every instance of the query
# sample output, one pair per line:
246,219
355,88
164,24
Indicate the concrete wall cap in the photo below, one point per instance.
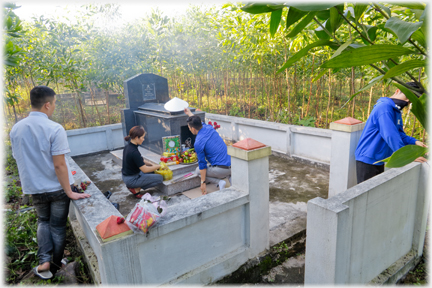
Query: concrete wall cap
248,144
348,121
346,128
249,155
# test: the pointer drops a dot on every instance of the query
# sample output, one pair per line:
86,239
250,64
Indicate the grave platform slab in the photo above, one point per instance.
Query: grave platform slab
169,187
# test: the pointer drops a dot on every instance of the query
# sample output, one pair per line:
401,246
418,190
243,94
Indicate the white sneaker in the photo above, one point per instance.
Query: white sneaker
222,184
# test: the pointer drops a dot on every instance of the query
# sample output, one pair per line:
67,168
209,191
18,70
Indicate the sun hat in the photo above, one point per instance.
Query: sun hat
175,105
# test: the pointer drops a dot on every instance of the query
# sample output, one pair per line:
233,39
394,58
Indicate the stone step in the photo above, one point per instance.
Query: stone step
169,187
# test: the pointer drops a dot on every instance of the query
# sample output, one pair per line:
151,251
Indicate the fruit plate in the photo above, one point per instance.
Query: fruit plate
189,163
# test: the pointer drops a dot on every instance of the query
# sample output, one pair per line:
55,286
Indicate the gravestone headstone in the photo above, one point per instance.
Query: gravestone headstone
144,88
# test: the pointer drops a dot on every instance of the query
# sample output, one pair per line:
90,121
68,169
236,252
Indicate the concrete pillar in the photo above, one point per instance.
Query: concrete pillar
345,136
249,172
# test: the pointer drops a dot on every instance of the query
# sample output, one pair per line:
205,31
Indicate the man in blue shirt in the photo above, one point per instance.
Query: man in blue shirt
39,146
383,134
209,145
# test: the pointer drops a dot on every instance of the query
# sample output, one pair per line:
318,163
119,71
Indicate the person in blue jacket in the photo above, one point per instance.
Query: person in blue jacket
210,147
382,135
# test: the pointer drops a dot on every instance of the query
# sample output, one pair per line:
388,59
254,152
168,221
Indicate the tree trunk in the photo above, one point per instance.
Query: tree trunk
310,87
16,118
303,92
288,95
370,101
107,104
250,90
328,101
94,103
413,127
353,91
82,111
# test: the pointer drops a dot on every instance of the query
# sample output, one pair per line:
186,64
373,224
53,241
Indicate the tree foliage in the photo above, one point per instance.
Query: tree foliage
383,36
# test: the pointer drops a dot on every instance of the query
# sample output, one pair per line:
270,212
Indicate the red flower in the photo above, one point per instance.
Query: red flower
210,123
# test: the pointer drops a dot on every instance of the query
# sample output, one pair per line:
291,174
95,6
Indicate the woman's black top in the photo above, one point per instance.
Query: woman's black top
132,160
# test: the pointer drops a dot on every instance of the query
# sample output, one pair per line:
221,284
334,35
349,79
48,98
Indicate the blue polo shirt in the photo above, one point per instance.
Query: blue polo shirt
35,140
209,145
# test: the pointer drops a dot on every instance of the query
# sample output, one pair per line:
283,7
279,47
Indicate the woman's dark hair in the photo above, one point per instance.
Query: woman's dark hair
136,131
40,95
194,122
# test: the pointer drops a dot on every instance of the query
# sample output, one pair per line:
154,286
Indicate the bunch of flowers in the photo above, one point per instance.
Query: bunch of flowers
215,125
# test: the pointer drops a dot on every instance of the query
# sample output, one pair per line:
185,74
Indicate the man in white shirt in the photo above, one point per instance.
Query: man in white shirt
39,146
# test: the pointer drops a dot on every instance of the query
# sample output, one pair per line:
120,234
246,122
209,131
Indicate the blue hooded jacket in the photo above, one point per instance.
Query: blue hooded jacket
383,133
208,144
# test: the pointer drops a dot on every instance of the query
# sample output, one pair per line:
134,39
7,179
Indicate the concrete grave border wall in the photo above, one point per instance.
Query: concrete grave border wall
370,231
306,143
95,139
303,143
197,242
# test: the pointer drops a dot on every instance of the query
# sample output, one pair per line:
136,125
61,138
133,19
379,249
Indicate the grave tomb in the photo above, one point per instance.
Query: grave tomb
146,95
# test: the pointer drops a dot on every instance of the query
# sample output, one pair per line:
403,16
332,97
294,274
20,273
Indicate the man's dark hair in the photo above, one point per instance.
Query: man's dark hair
413,85
40,95
194,122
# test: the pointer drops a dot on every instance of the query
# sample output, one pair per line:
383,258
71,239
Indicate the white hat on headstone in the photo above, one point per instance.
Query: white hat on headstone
175,105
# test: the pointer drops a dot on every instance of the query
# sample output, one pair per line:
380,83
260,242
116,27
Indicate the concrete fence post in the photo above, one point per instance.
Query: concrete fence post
249,172
422,210
345,136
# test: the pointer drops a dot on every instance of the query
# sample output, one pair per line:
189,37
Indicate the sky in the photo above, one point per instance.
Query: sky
130,10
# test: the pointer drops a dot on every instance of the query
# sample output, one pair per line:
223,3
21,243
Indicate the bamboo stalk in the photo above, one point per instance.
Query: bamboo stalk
370,101
303,92
82,112
107,105
353,91
413,128
97,110
310,87
329,99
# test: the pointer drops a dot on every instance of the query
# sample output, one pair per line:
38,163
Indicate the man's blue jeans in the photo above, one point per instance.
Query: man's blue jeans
52,209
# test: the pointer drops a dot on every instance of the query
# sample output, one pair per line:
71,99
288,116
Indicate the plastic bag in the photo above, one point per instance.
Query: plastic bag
146,213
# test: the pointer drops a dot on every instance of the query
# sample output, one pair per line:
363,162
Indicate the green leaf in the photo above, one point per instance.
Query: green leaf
293,16
425,21
301,25
418,108
258,8
419,37
413,5
320,75
371,30
386,9
275,21
323,14
335,19
366,55
303,52
371,83
314,7
402,29
359,9
404,156
404,67
341,48
321,34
